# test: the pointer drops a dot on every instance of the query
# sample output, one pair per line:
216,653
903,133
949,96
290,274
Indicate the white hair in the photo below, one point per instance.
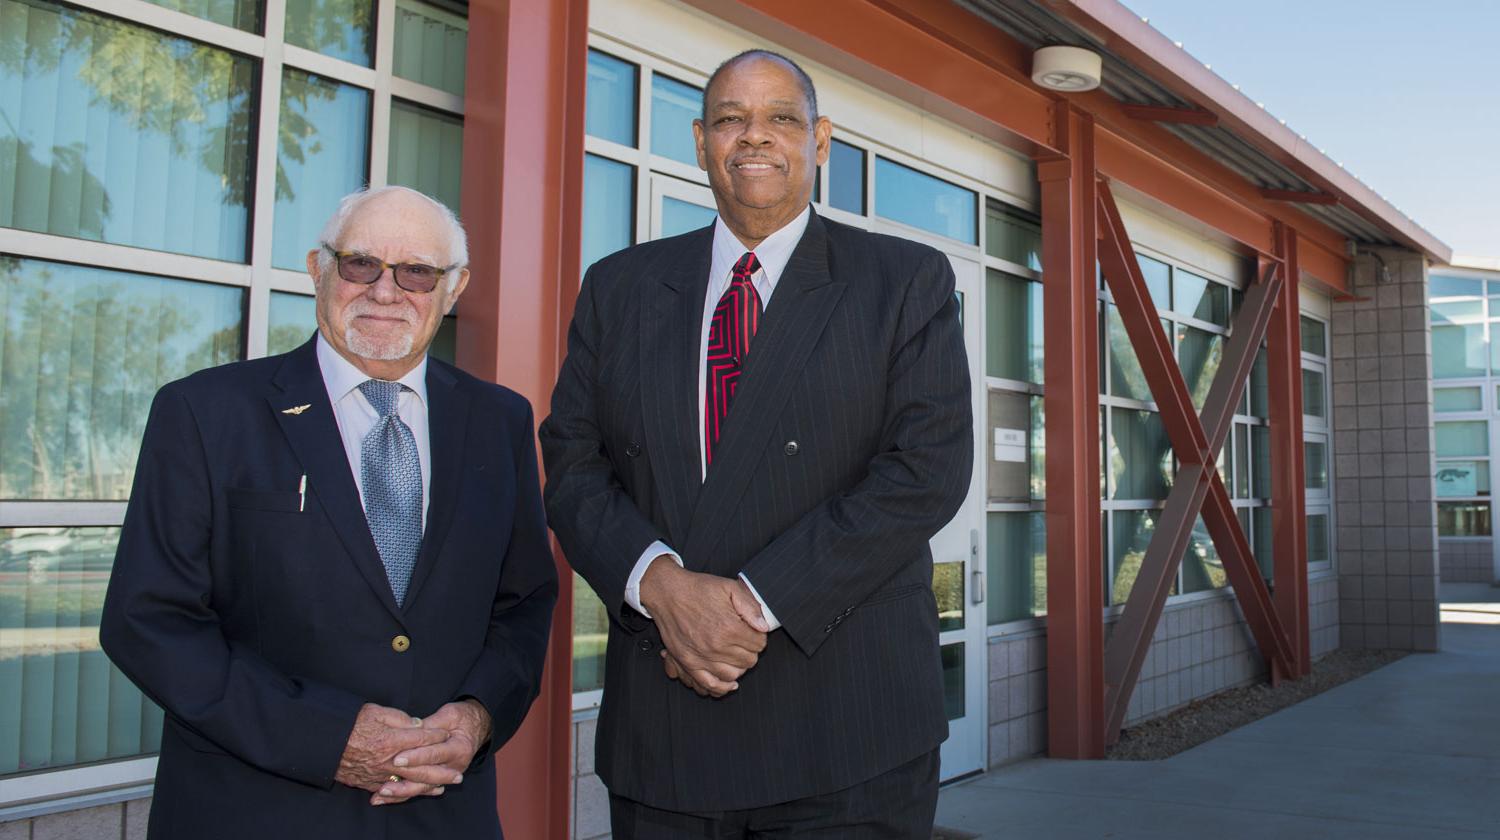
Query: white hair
458,241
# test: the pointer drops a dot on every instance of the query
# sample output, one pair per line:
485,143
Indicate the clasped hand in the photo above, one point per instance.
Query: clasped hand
711,627
424,755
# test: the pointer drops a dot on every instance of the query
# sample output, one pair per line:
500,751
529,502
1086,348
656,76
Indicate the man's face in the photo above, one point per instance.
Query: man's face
759,147
381,328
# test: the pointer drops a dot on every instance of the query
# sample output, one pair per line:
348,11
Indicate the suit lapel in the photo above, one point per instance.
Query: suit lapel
670,335
314,436
804,299
447,427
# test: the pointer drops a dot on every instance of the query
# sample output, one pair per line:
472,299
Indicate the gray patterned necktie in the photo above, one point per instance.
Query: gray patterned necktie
391,475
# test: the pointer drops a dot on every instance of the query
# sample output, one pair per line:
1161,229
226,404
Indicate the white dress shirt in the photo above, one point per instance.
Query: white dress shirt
773,254
356,417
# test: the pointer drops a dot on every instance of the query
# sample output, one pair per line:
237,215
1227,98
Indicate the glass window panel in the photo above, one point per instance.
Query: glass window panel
1260,388
66,703
674,106
915,198
611,95
426,152
1013,327
1457,399
1462,479
1314,390
1126,379
341,28
1241,461
1314,337
1200,298
1199,354
1260,454
846,177
83,352
1038,448
679,216
1017,566
322,157
1317,540
1261,519
1461,437
1441,286
1140,458
431,46
117,133
241,14
590,634
1010,431
1315,459
1158,280
1462,310
953,680
948,589
1463,519
1459,351
608,207
292,321
1132,533
1012,234
1201,567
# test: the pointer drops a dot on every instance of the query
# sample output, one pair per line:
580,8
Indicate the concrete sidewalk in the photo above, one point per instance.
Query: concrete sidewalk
1409,751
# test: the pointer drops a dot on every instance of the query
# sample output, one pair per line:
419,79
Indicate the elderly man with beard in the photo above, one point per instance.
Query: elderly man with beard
334,574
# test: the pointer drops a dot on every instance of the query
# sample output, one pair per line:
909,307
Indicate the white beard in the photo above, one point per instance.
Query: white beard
380,349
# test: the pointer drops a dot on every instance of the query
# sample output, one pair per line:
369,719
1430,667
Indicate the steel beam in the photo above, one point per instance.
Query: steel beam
1196,440
1070,312
1288,467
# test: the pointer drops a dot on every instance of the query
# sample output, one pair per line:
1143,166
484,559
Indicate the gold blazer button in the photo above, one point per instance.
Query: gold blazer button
400,644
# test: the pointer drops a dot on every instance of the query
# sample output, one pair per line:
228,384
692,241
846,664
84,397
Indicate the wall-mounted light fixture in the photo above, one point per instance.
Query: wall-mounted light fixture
1066,69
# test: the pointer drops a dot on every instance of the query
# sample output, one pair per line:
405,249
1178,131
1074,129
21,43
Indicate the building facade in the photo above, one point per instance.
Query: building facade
164,165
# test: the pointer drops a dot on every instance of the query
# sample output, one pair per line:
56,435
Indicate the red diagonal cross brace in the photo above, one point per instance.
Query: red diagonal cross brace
1198,487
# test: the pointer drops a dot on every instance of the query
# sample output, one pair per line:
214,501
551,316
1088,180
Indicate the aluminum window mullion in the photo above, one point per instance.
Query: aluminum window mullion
266,150
66,249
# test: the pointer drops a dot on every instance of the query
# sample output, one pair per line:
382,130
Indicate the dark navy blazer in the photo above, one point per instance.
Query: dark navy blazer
261,621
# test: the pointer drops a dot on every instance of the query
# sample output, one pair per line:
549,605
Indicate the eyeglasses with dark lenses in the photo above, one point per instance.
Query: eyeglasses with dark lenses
365,269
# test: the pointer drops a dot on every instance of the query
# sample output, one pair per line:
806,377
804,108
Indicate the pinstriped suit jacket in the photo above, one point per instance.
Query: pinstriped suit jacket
860,362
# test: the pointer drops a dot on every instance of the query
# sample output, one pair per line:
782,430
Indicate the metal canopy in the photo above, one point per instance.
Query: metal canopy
1036,26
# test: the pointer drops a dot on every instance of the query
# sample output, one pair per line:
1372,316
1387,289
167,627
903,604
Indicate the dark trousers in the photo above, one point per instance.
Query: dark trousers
899,804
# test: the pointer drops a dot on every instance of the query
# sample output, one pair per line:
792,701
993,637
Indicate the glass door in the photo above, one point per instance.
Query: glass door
678,206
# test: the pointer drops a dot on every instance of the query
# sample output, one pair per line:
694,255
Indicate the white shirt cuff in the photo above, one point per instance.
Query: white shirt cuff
765,610
633,583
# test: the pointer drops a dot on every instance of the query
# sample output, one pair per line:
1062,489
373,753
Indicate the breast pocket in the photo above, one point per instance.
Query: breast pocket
285,501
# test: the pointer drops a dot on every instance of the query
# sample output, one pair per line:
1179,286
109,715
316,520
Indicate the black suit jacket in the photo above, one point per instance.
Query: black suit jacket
848,446
261,629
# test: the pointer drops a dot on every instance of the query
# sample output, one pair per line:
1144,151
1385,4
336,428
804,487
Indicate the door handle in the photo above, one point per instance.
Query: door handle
976,569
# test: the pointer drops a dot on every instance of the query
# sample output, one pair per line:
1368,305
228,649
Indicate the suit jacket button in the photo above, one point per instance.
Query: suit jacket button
645,645
633,449
791,447
400,644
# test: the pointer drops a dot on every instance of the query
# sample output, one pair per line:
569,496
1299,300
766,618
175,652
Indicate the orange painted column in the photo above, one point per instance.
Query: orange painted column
522,207
1075,574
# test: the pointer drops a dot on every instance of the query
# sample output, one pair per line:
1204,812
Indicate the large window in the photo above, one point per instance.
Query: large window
158,194
1464,316
1316,449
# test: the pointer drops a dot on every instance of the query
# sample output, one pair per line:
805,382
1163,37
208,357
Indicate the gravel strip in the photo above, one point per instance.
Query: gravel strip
1203,720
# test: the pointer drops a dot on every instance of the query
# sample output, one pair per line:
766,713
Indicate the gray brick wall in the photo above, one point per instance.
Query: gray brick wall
1382,443
114,821
1468,560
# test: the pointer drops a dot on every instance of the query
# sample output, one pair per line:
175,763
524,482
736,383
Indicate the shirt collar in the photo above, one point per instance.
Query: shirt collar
340,376
773,253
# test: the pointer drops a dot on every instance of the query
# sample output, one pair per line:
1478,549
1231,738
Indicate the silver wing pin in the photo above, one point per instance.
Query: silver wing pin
296,409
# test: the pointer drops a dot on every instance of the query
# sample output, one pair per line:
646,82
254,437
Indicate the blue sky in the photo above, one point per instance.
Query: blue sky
1406,95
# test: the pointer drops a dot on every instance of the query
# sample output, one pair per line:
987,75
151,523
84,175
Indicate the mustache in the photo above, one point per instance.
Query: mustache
357,308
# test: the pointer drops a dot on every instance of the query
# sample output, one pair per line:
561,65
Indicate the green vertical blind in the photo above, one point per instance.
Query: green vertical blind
431,46
426,152
122,134
343,29
322,156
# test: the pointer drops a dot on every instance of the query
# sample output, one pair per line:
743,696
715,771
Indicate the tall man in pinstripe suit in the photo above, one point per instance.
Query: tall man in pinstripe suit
758,427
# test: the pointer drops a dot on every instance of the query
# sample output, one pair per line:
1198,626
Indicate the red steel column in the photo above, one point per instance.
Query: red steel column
522,204
1075,574
1288,490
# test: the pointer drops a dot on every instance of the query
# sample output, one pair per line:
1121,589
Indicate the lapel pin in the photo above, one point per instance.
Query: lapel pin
296,409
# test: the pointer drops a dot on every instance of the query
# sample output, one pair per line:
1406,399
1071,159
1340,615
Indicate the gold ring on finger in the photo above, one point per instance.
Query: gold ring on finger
394,778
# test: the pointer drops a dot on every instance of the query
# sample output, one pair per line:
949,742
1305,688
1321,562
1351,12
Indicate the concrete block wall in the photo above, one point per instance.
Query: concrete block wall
114,821
1468,560
1382,442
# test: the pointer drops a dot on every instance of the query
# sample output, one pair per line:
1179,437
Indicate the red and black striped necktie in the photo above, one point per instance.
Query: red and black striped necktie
735,320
